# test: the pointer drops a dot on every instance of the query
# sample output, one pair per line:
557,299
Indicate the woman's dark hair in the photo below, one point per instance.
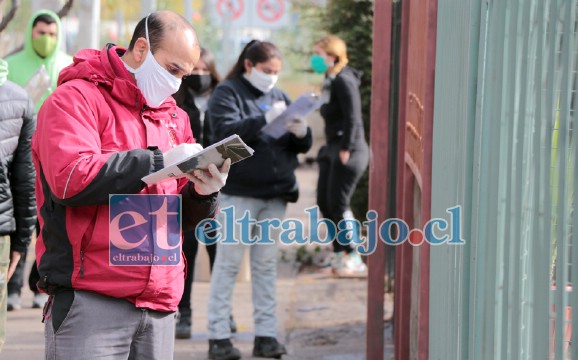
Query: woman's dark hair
256,52
209,59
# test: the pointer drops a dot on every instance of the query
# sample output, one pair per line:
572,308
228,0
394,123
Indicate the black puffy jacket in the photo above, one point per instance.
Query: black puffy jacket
17,175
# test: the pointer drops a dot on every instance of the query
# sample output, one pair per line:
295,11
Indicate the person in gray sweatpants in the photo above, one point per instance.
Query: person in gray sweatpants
258,187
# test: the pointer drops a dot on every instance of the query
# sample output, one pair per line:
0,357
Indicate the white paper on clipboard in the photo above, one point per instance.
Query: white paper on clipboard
232,148
303,106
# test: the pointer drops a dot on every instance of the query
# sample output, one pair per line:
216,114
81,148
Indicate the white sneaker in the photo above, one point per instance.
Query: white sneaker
351,265
39,300
13,302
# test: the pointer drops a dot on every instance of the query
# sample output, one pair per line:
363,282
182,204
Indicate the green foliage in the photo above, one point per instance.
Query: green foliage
353,22
296,45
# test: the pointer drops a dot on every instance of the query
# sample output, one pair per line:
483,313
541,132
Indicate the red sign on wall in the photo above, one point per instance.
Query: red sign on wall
232,8
271,10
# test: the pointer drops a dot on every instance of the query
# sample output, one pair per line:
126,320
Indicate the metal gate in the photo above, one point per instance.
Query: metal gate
503,149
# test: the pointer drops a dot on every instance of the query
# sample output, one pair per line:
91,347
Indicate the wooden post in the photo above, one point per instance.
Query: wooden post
423,311
378,171
403,253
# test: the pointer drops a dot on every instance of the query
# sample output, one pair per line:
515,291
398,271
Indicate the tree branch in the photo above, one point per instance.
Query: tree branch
65,9
10,15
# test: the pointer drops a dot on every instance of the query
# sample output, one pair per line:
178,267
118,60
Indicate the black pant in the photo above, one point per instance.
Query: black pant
338,181
190,247
17,280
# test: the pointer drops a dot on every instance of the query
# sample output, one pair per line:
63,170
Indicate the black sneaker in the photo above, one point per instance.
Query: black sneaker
268,347
222,349
13,302
183,328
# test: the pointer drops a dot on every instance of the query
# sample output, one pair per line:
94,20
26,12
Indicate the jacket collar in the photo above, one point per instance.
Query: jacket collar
250,86
105,69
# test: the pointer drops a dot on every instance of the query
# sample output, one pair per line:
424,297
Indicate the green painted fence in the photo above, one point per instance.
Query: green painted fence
505,109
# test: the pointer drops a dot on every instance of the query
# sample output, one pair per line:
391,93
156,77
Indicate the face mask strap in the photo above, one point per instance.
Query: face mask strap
147,32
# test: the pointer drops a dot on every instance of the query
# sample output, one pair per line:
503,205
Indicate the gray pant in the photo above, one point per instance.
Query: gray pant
101,327
263,269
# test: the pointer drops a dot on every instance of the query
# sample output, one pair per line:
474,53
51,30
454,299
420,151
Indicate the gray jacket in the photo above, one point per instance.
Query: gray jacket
17,175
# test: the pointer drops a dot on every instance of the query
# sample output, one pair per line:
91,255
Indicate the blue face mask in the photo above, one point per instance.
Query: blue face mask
318,64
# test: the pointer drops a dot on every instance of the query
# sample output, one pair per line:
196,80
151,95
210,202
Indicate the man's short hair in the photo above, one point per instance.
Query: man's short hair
45,18
156,30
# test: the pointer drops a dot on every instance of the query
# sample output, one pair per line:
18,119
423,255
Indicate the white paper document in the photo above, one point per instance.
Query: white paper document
303,106
232,148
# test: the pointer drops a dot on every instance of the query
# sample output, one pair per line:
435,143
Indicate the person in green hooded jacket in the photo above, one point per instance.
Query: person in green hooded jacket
41,47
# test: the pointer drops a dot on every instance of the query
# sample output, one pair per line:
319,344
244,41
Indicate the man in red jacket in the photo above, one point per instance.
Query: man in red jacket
110,122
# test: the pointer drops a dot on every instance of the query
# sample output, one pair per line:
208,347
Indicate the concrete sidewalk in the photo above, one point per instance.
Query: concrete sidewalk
319,317
25,339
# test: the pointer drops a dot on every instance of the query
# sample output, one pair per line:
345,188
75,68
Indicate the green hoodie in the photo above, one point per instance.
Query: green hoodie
25,63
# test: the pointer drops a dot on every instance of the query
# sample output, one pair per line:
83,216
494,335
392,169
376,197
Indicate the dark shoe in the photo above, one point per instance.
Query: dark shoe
222,349
13,302
183,328
268,347
39,300
232,324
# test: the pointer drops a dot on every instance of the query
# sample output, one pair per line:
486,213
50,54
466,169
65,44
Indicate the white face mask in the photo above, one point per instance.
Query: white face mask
154,81
261,81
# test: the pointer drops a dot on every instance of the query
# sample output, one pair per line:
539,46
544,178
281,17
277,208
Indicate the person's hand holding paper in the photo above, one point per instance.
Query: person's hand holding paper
291,118
180,152
184,159
211,180
277,109
297,127
207,181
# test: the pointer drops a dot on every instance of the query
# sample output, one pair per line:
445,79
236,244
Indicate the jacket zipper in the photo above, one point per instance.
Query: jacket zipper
47,307
81,264
84,244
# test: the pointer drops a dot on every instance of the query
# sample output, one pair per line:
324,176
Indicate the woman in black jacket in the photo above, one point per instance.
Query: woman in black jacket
345,157
193,97
194,94
261,185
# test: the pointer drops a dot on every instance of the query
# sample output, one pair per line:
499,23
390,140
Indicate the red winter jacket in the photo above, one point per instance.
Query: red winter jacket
92,140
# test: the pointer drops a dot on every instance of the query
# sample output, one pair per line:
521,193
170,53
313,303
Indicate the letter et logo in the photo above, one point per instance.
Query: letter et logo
144,230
